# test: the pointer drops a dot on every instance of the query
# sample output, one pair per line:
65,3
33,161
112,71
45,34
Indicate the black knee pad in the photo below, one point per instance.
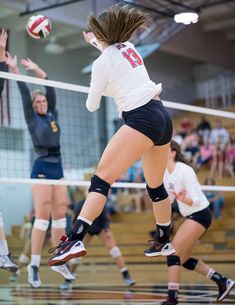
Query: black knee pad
157,194
191,263
173,260
99,186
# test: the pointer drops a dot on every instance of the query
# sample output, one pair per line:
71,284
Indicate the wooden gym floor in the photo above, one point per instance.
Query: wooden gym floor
102,284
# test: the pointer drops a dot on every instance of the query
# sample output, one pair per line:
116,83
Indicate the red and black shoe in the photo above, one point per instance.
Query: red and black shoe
159,249
224,289
67,250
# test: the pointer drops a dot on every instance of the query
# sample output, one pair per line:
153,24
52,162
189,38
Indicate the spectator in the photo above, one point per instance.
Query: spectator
206,153
229,166
186,126
191,145
218,159
215,198
219,135
203,128
177,137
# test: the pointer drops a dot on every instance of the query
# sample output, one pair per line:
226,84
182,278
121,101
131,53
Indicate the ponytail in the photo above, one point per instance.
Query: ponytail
117,23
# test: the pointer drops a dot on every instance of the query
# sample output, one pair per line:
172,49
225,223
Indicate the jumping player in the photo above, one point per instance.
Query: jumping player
6,261
120,72
49,201
182,183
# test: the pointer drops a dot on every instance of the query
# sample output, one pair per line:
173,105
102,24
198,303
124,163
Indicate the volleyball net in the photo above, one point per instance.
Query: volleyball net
83,134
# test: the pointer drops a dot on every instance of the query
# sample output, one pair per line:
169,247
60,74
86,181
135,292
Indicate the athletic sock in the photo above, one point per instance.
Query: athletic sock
163,232
125,273
80,228
215,276
173,290
35,260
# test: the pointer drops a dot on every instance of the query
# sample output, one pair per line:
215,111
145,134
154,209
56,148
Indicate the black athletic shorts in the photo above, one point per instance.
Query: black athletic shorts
96,229
47,170
203,217
152,120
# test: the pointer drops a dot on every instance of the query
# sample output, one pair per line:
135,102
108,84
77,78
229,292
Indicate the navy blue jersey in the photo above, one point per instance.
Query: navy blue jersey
44,129
2,68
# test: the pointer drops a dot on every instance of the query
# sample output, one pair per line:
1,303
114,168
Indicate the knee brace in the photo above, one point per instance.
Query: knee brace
173,260
1,221
24,259
41,224
115,252
99,186
157,194
58,223
191,263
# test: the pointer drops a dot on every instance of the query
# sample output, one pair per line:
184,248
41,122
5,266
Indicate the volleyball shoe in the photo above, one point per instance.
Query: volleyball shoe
66,250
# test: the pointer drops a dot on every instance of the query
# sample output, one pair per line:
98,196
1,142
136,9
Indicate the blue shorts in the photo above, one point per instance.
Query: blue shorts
152,120
47,170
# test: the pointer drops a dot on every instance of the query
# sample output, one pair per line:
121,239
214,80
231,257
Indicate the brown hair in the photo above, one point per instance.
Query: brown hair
35,93
117,23
178,154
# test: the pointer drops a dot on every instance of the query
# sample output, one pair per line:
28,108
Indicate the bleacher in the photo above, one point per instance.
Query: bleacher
131,232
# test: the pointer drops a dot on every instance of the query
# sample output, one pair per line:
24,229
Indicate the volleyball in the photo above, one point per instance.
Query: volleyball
38,26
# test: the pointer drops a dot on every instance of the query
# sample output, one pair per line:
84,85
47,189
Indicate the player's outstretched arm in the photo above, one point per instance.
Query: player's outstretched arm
11,61
3,44
32,66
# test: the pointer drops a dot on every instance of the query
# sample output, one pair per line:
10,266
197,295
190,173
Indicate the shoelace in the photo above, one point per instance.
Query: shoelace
152,242
63,240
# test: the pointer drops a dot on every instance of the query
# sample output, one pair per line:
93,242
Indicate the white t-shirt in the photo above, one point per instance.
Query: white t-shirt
183,177
219,135
119,72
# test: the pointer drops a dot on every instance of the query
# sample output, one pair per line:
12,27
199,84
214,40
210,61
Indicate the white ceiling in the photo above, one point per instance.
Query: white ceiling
69,20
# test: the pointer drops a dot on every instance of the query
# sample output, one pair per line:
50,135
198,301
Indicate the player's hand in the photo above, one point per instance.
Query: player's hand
3,39
88,36
29,64
11,61
180,195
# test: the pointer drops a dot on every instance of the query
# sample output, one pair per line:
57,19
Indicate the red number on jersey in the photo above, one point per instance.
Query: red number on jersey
133,58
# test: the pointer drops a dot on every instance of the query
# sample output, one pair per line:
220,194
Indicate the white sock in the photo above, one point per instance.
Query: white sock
35,260
166,224
4,247
85,220
210,273
173,286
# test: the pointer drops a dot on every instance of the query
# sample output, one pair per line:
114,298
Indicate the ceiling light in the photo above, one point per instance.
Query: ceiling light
186,18
54,47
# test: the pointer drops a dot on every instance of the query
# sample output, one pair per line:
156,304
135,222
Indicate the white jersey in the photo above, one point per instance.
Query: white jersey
183,177
119,72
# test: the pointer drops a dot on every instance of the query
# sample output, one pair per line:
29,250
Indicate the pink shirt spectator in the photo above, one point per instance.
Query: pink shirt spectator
230,154
207,151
